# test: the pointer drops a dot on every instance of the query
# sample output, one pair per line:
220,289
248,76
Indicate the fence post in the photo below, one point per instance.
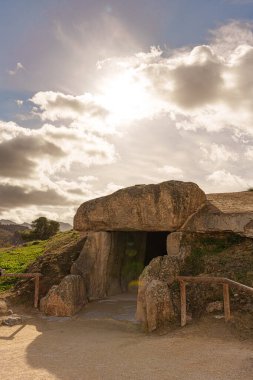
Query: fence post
226,300
183,302
36,290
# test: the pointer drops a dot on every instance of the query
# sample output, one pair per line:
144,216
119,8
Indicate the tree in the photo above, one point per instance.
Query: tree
42,229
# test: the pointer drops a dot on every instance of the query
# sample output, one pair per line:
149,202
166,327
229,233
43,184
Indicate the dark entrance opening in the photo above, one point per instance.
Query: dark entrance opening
131,251
155,245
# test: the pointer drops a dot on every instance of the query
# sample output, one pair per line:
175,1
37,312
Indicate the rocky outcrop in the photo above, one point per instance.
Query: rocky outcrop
158,305
162,207
154,302
54,265
224,212
65,299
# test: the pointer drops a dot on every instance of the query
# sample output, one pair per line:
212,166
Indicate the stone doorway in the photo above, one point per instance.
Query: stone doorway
131,251
155,245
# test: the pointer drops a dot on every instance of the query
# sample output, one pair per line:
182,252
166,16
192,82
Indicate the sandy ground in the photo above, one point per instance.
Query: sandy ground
92,348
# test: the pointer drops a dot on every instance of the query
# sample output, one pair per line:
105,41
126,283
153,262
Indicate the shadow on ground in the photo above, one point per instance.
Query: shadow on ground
93,348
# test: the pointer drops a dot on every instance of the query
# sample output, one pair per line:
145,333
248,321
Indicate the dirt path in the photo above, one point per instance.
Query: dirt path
86,349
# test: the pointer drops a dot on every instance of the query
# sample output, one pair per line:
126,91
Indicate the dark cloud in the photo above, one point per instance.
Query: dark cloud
17,155
197,85
17,196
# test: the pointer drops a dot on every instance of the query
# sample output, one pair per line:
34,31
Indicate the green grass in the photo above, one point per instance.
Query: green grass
17,259
207,246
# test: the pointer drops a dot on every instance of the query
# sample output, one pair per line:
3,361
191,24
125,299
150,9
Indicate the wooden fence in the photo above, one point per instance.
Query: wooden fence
225,282
35,276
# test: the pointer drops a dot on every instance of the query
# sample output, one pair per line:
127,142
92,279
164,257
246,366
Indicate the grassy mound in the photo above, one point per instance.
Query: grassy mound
17,259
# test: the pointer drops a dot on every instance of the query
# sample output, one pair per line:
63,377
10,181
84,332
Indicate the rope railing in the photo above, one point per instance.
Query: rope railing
225,282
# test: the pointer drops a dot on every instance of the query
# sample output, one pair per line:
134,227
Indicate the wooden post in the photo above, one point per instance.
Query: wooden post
226,301
183,302
36,290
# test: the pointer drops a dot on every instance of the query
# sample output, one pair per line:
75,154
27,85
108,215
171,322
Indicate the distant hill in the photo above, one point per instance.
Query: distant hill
65,226
6,222
10,234
9,231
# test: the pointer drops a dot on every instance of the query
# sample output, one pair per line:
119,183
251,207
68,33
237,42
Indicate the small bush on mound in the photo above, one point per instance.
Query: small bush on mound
42,229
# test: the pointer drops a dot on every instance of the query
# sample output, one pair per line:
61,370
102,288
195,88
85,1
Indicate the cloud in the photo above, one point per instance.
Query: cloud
17,196
19,102
208,86
17,155
33,153
249,153
171,172
54,106
18,67
217,153
227,181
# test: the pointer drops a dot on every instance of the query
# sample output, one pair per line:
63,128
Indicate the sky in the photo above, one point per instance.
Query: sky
99,95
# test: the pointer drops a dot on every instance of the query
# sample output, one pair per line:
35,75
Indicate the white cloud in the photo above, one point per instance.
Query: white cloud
171,172
226,181
54,106
217,153
18,67
208,86
249,153
19,102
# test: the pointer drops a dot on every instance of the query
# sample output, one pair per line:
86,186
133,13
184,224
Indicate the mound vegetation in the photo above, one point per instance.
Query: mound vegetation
23,258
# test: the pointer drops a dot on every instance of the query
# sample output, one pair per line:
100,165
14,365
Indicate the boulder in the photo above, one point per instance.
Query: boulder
154,302
214,306
54,265
12,320
162,207
158,304
65,299
232,212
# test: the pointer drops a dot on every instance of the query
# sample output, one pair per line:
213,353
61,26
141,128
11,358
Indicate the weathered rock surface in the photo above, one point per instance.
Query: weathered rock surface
234,262
109,261
162,207
54,265
92,263
159,307
224,212
214,306
12,320
154,302
177,245
65,299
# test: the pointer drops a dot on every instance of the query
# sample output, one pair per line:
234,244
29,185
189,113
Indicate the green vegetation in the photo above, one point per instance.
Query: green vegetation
207,246
16,260
42,229
61,239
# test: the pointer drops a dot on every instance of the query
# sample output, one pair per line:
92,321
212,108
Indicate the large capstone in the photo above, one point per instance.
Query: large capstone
162,207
